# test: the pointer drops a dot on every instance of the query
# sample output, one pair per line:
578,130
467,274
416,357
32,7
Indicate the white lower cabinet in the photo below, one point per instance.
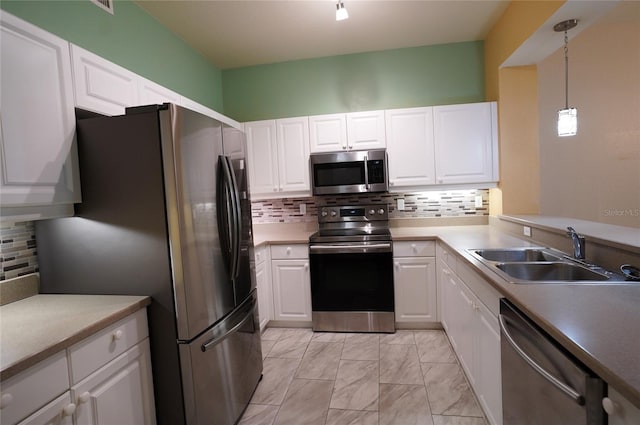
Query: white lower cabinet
119,392
117,387
414,281
620,411
472,327
291,282
264,287
58,412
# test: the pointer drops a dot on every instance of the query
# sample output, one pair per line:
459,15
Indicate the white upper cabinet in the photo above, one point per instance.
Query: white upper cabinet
102,86
366,130
262,157
410,147
151,93
293,154
328,133
352,131
465,143
38,157
278,157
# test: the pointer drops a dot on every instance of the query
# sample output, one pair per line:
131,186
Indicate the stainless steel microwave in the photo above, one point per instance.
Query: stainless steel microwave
349,172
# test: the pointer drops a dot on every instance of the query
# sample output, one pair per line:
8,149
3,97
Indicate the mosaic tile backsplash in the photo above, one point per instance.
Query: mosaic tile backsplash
451,203
17,250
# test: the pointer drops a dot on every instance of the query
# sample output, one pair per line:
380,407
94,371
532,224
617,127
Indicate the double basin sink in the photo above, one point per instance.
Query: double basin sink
542,265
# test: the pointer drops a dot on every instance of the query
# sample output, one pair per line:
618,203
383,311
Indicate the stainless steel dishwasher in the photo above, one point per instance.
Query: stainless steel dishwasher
543,384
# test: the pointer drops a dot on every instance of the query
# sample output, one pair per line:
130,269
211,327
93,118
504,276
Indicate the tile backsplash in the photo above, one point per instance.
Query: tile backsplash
450,203
17,250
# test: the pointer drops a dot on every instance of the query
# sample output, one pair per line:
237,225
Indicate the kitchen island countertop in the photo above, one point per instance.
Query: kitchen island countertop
39,326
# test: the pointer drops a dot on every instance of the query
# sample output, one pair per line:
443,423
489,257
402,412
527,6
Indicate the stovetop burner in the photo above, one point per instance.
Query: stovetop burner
347,223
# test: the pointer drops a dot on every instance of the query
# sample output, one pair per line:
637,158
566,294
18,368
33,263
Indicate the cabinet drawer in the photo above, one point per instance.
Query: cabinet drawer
99,349
414,249
285,252
58,412
262,254
28,391
447,256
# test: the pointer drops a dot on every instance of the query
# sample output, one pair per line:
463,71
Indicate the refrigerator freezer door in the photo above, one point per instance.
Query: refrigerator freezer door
191,145
222,367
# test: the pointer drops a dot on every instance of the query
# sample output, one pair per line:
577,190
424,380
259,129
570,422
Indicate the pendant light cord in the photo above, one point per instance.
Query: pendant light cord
566,70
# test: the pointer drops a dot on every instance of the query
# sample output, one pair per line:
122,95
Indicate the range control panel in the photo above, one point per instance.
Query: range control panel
346,213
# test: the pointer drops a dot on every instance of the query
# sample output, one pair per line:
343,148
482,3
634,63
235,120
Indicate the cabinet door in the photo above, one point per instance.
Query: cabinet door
487,368
102,86
265,293
293,154
291,290
151,93
459,314
366,130
464,143
410,147
121,392
327,133
38,156
58,412
262,157
415,289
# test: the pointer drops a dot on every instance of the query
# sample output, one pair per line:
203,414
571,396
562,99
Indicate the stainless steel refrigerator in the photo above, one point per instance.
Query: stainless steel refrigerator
165,212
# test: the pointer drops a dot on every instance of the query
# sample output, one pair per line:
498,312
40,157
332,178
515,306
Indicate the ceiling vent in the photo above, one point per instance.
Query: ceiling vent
105,4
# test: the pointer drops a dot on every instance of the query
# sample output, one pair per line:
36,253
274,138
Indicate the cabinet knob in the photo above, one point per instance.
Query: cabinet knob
344,146
390,183
275,188
69,410
397,265
610,406
288,250
117,335
5,400
440,180
84,397
414,248
306,266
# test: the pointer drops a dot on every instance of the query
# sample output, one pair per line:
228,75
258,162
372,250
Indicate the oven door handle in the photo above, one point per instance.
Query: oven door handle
356,248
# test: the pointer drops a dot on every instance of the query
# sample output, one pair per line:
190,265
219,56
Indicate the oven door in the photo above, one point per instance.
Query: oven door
349,277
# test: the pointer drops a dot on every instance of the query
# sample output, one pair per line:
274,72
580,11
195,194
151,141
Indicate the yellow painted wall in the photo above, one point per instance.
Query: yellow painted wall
518,22
515,89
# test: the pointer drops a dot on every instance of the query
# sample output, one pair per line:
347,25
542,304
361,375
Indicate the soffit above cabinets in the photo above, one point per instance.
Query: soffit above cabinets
234,34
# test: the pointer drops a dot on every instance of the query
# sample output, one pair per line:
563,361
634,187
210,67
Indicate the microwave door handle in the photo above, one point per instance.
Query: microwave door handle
366,174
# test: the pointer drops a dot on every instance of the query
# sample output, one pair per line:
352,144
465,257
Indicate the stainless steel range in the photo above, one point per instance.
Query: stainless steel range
351,261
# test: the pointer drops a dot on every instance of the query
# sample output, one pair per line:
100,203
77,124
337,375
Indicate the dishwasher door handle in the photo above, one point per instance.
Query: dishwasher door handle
572,393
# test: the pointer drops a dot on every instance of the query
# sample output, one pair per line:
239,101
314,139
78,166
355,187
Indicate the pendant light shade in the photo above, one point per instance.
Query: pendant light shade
567,117
341,12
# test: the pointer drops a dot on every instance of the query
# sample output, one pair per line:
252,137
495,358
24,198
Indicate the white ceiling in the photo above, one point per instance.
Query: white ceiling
241,33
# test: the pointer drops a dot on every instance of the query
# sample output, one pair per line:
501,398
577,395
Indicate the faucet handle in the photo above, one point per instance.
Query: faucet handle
571,230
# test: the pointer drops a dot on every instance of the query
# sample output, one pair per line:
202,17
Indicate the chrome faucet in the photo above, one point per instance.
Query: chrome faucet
578,244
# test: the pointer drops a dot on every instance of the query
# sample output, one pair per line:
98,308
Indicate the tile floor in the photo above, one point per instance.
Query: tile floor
406,378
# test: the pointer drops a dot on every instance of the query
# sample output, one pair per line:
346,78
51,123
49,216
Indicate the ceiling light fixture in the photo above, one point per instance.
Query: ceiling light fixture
341,12
567,117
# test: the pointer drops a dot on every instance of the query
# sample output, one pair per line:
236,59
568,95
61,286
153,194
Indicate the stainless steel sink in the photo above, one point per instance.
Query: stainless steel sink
548,272
518,254
542,265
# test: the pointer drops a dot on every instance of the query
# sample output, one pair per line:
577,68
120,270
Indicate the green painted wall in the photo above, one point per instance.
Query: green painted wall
132,39
418,76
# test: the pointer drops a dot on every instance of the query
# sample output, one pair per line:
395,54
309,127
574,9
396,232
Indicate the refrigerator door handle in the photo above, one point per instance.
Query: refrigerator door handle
230,202
236,216
215,341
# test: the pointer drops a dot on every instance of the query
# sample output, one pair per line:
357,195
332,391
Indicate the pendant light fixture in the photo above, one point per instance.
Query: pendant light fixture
567,117
341,11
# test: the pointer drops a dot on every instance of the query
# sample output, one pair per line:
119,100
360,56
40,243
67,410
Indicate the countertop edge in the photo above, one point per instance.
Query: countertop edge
26,362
